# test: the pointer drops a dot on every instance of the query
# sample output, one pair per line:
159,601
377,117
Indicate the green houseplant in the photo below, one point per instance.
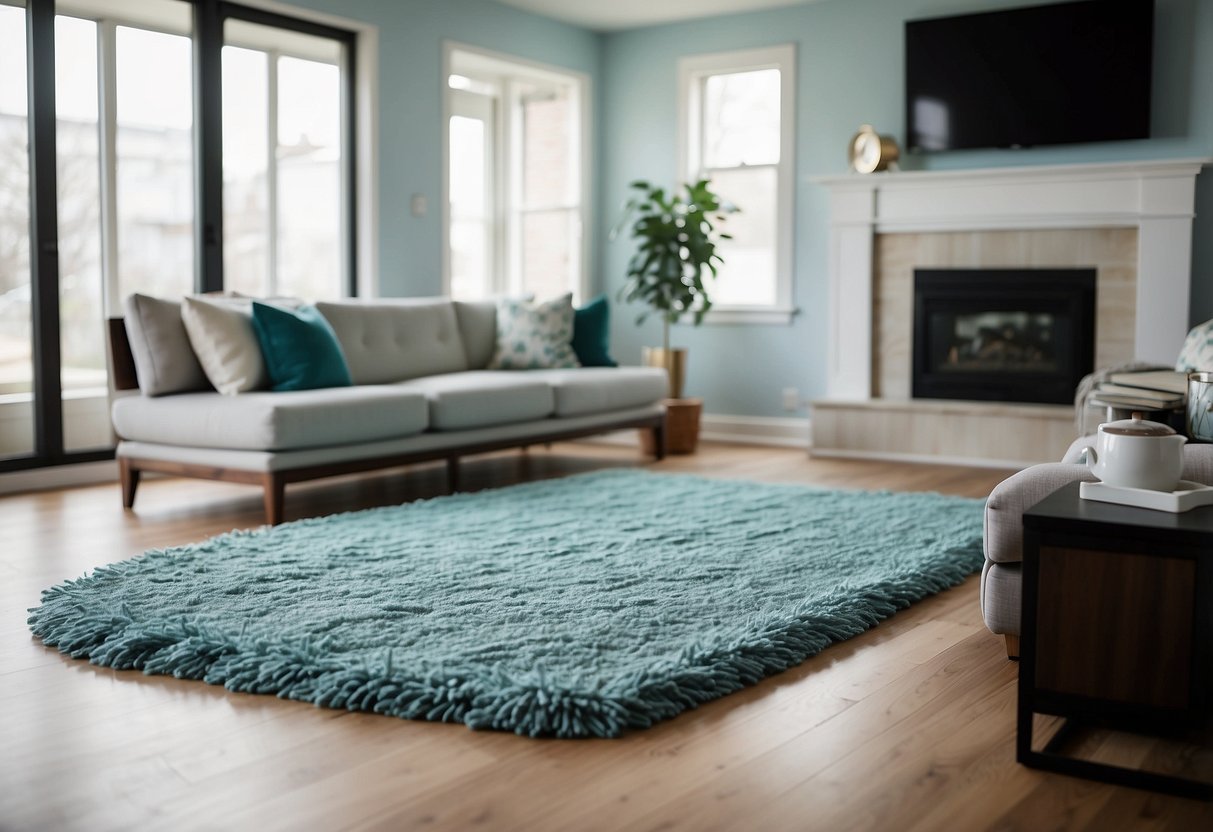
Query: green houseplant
677,236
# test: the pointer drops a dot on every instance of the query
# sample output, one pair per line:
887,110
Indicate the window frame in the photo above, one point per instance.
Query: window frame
693,71
507,204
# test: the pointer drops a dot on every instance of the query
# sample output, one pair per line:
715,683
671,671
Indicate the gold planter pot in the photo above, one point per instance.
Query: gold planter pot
675,363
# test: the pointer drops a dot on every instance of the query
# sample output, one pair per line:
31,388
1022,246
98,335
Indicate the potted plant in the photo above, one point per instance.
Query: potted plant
678,238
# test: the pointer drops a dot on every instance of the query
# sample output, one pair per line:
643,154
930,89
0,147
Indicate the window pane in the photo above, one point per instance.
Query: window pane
309,179
16,363
747,277
82,371
548,172
741,119
471,229
155,163
551,244
246,217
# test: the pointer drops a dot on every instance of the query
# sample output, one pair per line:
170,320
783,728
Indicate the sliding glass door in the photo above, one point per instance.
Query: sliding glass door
103,186
16,344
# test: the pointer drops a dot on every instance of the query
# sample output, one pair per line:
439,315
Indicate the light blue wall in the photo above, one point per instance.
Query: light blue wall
850,60
411,33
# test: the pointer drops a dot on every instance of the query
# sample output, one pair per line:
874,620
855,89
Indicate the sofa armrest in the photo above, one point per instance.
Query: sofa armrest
1015,495
1198,464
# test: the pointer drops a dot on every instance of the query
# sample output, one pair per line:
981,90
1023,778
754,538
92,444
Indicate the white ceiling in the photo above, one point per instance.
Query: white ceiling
612,15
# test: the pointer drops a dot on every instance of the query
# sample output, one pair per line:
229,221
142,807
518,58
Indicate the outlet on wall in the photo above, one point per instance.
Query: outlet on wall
791,399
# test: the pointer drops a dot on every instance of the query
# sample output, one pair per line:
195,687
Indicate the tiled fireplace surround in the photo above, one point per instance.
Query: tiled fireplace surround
1132,222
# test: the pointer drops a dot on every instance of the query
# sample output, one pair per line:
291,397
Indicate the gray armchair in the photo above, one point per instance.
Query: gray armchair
1001,580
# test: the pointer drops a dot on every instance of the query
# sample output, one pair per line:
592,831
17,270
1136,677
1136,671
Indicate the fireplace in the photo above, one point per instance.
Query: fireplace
1011,335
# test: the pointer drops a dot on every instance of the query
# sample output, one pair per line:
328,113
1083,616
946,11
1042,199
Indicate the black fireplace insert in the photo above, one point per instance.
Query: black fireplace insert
1011,335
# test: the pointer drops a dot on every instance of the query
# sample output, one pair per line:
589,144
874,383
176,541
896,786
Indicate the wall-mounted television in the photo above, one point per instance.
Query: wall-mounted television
1056,74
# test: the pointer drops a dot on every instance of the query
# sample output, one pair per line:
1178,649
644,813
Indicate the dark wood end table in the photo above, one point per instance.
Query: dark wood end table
1117,629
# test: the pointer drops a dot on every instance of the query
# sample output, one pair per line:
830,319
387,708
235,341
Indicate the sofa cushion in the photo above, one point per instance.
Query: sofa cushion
396,340
479,398
600,389
478,329
266,421
164,360
1001,595
533,336
1197,352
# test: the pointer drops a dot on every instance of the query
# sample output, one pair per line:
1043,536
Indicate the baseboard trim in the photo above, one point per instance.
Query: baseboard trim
755,430
928,459
59,476
739,430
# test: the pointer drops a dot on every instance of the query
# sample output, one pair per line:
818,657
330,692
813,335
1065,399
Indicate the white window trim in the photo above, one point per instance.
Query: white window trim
585,127
691,70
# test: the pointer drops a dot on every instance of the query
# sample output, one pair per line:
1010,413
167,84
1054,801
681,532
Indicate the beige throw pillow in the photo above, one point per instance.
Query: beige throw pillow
221,333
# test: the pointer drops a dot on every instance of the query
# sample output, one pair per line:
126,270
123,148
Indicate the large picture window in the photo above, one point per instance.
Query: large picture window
106,129
517,176
737,130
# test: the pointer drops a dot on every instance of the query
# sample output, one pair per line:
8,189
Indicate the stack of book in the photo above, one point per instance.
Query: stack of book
1154,390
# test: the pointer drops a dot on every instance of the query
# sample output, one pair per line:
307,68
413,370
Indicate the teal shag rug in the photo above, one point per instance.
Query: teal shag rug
576,607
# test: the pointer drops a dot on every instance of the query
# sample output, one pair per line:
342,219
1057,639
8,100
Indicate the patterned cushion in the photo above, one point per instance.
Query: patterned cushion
1197,354
534,336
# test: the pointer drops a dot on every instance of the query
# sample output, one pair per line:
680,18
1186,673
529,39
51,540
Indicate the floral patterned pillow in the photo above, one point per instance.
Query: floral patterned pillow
534,336
1197,354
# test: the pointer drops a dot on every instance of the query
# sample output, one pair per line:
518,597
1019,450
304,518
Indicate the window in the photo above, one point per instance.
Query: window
738,130
128,199
516,177
283,170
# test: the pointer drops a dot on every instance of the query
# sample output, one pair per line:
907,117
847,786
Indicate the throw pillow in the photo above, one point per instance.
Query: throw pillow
1197,352
300,350
164,360
534,336
592,332
221,333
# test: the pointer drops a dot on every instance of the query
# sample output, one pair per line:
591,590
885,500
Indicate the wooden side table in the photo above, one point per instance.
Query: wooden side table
1117,629
681,427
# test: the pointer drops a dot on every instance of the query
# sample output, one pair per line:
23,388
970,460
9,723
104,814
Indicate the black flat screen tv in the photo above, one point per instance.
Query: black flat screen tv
1068,72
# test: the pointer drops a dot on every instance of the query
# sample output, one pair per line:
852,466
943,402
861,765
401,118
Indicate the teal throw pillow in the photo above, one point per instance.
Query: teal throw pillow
300,349
591,334
534,336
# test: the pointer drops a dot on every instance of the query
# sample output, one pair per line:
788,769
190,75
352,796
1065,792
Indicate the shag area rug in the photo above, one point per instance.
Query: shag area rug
575,607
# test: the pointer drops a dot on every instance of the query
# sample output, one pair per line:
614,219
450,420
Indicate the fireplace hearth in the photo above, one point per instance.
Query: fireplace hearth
1010,335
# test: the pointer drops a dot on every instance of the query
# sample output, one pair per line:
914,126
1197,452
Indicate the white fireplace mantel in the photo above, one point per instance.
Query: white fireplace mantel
1155,197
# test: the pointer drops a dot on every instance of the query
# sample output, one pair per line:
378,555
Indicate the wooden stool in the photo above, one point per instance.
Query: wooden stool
681,427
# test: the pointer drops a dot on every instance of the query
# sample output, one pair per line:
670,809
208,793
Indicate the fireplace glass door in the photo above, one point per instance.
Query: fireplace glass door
1013,335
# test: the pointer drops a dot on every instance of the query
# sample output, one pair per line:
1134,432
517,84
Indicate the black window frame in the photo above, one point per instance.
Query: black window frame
209,17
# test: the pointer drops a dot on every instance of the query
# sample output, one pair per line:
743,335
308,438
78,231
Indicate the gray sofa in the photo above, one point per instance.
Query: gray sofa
421,392
1001,580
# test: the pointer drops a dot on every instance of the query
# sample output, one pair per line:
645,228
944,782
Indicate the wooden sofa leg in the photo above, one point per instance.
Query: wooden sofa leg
1012,646
129,476
452,473
274,494
658,431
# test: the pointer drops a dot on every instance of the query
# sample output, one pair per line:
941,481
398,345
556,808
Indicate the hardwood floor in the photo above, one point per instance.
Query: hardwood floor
908,726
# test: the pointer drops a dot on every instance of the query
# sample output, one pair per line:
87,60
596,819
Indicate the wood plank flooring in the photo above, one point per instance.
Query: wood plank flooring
908,726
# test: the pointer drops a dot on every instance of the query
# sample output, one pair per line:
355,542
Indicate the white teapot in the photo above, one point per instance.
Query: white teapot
1134,453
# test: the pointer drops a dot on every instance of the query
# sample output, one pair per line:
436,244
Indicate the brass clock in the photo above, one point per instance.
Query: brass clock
869,151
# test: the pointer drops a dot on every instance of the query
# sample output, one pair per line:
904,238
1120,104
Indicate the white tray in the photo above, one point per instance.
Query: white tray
1188,496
